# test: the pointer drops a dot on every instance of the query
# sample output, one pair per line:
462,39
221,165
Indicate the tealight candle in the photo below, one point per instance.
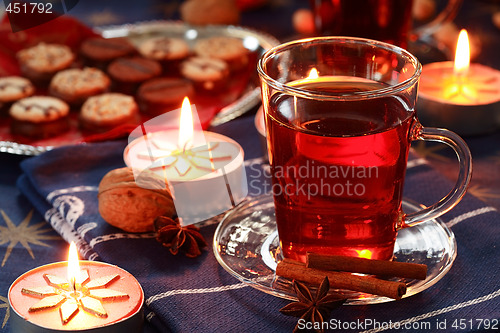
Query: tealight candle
458,95
94,297
204,170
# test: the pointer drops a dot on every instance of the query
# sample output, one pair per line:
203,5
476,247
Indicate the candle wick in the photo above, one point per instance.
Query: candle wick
184,146
461,78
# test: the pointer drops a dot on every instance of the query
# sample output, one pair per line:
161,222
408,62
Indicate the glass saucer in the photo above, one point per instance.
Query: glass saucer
246,244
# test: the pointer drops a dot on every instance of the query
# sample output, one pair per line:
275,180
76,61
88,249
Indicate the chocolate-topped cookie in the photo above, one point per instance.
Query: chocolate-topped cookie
207,74
13,88
39,63
228,49
39,117
168,51
128,73
99,52
161,95
76,85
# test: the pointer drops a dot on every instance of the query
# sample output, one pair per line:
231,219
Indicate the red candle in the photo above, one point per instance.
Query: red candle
101,298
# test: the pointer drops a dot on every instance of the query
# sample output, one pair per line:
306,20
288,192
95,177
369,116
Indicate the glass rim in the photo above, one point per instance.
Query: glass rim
376,93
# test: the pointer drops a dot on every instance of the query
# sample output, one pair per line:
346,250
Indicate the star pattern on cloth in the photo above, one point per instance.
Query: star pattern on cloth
4,304
425,151
23,233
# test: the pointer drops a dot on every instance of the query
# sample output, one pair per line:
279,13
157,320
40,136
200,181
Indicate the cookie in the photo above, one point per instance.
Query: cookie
41,62
128,73
76,85
161,95
99,52
39,117
168,51
128,206
13,88
207,74
228,49
103,112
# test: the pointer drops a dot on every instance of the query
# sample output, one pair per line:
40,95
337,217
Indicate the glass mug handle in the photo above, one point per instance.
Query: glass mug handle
464,175
446,15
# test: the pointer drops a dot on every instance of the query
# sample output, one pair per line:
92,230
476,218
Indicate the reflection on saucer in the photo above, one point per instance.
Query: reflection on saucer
246,244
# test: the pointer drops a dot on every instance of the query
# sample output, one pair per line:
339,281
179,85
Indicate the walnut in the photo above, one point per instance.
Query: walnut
133,208
203,12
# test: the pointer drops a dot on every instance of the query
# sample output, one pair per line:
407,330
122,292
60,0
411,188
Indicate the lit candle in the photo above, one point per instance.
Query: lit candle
458,95
76,296
204,170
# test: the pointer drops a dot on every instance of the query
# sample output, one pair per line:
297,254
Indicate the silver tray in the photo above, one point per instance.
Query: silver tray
254,40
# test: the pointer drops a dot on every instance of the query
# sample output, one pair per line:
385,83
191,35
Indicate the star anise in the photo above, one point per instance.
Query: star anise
315,309
174,236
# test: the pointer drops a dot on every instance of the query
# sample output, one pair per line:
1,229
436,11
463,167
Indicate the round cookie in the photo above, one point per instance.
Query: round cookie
168,51
207,74
128,73
161,95
228,49
39,63
99,52
13,88
39,117
103,112
76,85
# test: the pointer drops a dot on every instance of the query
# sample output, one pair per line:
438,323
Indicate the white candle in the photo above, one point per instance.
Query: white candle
204,170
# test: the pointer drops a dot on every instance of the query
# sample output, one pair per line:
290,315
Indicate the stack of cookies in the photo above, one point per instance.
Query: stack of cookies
111,82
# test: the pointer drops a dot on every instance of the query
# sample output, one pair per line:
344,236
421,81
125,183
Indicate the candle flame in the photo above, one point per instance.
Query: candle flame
462,53
186,124
313,74
73,266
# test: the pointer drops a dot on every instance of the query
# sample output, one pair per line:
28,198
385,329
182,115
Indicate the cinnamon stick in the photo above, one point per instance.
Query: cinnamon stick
295,270
367,266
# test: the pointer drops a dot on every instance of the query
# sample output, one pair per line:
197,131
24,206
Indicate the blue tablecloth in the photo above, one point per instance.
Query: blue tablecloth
185,295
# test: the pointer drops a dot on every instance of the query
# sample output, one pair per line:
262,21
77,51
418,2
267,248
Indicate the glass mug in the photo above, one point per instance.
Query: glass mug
385,20
340,118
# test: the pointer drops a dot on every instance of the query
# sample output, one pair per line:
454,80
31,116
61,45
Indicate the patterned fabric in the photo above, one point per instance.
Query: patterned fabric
184,295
